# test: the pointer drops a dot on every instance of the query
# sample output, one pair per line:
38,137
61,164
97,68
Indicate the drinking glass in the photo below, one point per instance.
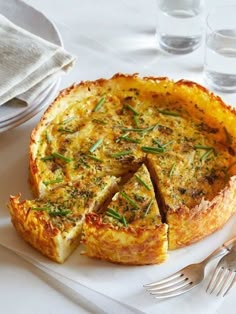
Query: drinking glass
180,25
220,49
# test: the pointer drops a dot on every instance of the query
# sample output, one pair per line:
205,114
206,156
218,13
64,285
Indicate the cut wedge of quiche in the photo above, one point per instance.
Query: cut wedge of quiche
130,230
95,130
53,224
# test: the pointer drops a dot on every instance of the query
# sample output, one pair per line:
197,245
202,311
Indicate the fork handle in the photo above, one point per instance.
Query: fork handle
223,249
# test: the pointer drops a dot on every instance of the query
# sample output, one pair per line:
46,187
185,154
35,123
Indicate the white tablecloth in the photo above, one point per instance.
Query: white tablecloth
108,36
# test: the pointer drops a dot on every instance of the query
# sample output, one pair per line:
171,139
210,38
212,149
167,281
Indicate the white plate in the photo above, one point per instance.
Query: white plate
26,16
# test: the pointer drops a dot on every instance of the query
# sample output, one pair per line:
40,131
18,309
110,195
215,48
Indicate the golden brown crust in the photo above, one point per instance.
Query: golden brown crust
133,246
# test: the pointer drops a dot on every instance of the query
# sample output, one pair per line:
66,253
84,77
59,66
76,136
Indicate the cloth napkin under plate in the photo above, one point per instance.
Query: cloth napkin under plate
28,63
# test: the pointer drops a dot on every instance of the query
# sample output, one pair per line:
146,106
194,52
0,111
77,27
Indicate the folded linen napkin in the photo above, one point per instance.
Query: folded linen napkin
28,63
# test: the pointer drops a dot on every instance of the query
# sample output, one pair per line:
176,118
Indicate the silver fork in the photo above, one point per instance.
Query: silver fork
224,276
187,278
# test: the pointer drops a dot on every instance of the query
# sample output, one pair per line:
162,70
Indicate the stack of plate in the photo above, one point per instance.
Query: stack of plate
15,113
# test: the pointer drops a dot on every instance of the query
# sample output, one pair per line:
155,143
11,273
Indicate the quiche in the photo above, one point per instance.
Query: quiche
98,136
129,231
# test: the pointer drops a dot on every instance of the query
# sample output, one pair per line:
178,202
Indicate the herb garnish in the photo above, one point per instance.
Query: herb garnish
140,130
132,109
114,214
136,121
142,182
94,158
57,212
47,158
132,202
65,130
168,113
127,139
209,151
49,140
153,150
172,169
123,153
99,104
58,180
62,157
95,145
148,208
68,120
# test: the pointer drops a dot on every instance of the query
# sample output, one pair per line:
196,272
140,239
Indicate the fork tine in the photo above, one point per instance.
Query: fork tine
231,285
176,292
225,282
173,276
213,279
167,284
171,288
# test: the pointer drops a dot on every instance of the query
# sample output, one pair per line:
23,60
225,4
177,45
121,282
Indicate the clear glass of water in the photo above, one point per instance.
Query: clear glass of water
180,25
220,49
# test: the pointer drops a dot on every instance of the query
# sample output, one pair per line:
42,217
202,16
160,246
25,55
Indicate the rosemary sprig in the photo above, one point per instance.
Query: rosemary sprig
132,109
168,113
142,182
172,169
123,153
58,180
132,202
62,157
99,104
153,150
94,158
95,145
127,139
148,208
162,145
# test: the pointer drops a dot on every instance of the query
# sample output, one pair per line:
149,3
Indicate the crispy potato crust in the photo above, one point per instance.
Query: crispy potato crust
133,246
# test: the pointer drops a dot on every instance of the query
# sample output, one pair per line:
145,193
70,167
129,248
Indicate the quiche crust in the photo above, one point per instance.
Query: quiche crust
184,134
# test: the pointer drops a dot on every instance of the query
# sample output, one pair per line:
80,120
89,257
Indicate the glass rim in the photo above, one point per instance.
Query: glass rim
214,10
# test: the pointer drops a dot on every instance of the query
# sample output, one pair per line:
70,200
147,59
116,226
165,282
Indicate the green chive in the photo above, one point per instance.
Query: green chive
52,181
132,109
64,130
203,147
229,139
123,153
136,121
172,170
94,158
123,220
60,156
82,161
129,139
47,158
162,145
139,130
122,137
99,104
113,212
207,153
168,113
60,213
129,200
95,146
148,208
152,150
142,182
99,121
68,120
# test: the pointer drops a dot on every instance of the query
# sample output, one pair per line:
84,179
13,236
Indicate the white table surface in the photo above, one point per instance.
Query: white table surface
108,36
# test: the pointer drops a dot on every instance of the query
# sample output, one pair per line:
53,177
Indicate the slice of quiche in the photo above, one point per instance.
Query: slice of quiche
53,224
130,230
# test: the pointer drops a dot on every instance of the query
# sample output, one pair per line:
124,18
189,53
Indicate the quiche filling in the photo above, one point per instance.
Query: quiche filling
99,137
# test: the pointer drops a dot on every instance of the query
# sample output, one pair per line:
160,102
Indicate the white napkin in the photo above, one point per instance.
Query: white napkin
28,63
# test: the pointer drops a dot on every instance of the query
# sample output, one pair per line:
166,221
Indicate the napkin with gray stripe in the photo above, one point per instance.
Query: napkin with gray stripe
28,63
